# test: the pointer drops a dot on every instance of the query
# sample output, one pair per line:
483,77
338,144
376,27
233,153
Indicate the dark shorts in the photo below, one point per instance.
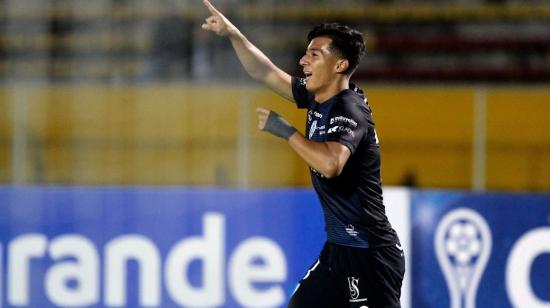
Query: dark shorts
352,277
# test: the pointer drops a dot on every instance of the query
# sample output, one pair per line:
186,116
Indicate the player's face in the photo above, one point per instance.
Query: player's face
319,64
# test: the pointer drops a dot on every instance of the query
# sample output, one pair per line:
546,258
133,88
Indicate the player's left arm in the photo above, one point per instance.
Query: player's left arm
328,158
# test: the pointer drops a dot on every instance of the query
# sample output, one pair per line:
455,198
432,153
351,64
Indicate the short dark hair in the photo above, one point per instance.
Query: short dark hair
346,42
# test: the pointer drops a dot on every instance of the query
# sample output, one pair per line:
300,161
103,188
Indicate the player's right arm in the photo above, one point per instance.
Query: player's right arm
254,61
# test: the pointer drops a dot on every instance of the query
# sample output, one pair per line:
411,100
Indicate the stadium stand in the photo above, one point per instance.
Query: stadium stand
131,92
408,41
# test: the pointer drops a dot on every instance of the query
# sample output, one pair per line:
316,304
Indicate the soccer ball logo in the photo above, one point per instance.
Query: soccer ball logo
463,242
463,246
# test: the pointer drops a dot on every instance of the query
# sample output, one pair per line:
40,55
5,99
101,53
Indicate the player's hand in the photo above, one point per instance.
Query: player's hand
217,23
271,122
263,114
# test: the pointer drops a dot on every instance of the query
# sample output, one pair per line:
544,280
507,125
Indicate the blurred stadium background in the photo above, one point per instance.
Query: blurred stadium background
134,93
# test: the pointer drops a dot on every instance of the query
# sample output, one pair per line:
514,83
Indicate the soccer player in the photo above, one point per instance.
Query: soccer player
361,263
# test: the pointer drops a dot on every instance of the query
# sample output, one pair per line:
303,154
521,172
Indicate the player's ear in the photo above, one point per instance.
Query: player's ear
342,65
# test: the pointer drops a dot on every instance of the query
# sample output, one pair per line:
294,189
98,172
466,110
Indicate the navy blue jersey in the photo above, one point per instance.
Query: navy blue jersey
352,202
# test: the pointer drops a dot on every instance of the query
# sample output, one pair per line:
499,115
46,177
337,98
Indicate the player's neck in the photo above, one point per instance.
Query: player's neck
327,92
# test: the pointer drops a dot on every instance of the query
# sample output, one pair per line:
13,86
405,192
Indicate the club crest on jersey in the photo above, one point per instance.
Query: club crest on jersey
312,129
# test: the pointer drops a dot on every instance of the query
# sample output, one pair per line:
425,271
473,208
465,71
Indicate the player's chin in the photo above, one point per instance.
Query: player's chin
310,86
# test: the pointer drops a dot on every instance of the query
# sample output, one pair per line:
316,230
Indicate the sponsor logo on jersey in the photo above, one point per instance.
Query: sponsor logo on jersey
350,229
337,129
353,287
343,120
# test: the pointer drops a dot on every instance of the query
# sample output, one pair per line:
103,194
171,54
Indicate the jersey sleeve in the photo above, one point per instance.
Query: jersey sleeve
301,95
348,124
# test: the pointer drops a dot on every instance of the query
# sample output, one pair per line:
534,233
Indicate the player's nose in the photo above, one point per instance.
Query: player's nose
303,61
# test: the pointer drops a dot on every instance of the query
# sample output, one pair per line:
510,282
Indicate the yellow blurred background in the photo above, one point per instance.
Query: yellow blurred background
207,135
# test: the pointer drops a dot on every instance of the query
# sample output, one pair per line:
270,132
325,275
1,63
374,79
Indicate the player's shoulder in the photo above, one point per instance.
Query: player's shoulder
300,94
352,102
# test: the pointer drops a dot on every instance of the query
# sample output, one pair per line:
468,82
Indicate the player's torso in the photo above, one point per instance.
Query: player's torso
347,212
331,191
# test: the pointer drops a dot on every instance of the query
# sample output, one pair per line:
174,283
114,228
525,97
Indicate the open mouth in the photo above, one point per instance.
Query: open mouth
307,74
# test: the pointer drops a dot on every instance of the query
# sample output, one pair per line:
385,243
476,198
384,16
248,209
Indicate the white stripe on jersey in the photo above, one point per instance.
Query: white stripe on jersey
307,275
311,269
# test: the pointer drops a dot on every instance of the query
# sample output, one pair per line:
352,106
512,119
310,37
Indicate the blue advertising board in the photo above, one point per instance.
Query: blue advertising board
208,247
162,247
480,250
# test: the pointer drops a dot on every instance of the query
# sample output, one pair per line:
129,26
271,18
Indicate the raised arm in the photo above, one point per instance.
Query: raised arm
255,62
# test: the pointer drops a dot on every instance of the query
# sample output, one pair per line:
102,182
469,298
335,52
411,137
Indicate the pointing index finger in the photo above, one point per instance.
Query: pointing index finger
211,8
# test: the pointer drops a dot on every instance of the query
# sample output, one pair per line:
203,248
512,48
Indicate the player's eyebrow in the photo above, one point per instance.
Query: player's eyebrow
314,49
